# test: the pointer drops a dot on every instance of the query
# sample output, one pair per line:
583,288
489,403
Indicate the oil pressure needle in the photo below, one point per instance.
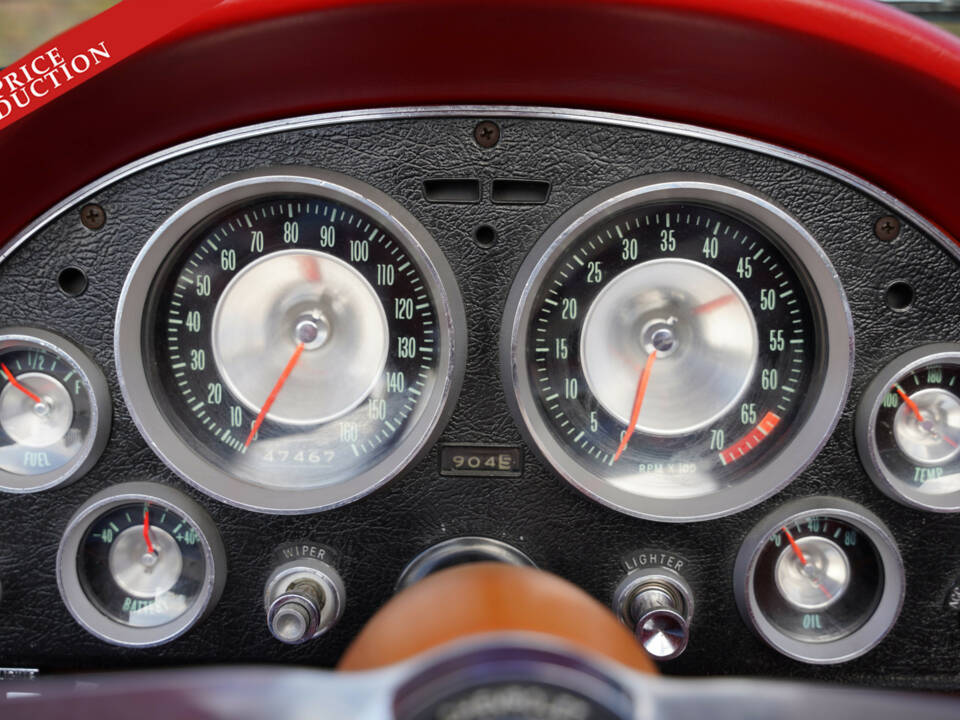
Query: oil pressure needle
273,393
637,403
803,560
13,381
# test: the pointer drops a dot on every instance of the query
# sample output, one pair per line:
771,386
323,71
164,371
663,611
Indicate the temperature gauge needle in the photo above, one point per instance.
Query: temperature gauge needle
908,402
13,381
146,530
803,560
291,363
912,406
637,403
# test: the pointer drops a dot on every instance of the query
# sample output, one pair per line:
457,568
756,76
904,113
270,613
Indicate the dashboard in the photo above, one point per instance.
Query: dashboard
616,349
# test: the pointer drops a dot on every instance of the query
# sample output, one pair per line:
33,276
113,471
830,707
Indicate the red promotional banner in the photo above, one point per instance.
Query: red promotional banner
87,50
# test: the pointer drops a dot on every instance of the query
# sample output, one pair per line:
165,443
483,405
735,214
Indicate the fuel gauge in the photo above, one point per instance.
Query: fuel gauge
820,580
54,411
908,428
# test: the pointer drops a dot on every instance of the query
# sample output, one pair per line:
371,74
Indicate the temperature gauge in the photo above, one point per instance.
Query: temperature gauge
908,428
54,411
140,564
820,580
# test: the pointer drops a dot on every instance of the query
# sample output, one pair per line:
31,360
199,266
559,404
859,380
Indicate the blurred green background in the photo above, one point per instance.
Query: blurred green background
25,24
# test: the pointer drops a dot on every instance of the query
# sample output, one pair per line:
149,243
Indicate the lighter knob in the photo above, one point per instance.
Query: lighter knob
657,604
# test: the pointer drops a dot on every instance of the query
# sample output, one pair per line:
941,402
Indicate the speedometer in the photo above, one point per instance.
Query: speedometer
290,341
678,347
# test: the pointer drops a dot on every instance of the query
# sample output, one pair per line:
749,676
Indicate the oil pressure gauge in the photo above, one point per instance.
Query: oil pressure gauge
54,411
820,580
908,428
140,564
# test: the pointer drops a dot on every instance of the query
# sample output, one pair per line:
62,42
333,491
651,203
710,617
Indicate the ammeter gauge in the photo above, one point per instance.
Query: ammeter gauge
54,411
139,564
908,428
820,580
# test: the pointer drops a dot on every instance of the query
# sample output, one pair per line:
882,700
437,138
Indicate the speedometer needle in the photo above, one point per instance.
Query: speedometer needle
637,403
291,363
13,381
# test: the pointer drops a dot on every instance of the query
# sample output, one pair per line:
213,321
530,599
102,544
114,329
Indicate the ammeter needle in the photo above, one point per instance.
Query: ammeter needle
273,393
637,403
146,530
13,381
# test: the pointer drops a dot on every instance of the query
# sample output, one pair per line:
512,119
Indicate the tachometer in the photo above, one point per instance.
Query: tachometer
288,342
679,348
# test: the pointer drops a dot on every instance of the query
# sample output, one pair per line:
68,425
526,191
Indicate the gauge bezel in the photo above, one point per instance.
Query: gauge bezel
866,419
88,615
167,442
822,285
861,640
101,410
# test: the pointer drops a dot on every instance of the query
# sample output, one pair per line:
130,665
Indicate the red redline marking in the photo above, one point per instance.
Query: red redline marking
751,440
13,381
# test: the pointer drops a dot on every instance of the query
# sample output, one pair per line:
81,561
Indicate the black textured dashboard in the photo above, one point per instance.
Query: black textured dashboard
537,512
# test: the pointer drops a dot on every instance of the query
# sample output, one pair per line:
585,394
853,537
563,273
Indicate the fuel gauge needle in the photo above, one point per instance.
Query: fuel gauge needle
637,404
291,363
13,381
803,560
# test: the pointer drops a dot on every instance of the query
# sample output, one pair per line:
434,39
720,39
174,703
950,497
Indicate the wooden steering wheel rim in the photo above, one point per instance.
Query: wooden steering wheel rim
482,598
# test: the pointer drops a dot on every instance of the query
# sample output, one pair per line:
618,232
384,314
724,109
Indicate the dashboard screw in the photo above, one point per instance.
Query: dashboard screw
487,134
93,216
887,228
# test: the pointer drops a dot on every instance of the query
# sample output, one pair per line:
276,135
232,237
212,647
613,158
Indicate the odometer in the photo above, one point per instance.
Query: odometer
672,344
296,347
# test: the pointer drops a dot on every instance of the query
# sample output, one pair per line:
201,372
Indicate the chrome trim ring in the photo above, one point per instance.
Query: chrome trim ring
835,358
88,615
177,453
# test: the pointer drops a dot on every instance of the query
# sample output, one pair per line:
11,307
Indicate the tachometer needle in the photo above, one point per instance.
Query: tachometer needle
908,402
714,304
803,560
637,403
146,530
13,381
273,393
